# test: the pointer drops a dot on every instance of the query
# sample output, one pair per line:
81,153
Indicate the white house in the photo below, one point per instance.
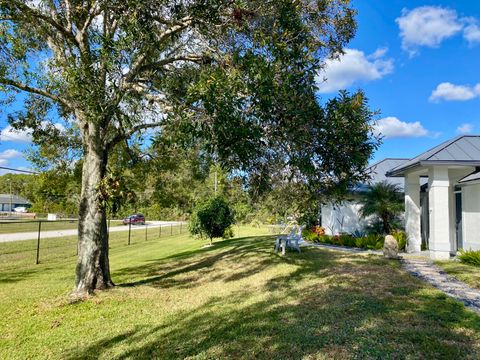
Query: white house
442,198
344,217
447,216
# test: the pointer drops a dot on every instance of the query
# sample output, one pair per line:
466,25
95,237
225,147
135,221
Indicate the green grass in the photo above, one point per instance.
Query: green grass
464,272
10,227
23,253
176,299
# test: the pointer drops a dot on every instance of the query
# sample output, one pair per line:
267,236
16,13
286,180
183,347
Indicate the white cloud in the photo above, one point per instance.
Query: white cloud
7,155
451,92
427,26
465,128
353,67
19,136
23,136
58,126
472,34
10,154
391,127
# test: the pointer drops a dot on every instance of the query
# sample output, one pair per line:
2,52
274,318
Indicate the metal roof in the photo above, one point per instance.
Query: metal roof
475,176
379,171
5,199
461,150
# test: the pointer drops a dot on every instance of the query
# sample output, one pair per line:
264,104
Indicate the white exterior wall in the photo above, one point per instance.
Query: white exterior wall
412,213
440,215
471,217
343,217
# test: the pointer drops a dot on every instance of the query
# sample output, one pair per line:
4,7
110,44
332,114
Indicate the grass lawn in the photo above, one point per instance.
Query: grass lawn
23,253
237,299
467,273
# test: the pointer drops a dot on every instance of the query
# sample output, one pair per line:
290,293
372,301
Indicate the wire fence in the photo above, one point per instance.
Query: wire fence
39,241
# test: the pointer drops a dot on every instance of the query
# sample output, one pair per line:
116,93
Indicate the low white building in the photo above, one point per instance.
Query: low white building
8,202
344,217
447,217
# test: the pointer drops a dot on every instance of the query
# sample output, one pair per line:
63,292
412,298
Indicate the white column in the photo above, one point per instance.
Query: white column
439,203
412,212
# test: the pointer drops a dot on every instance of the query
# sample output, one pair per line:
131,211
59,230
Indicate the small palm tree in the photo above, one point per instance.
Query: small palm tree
383,200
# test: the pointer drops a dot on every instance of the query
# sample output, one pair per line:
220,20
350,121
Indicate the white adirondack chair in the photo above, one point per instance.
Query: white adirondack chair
291,240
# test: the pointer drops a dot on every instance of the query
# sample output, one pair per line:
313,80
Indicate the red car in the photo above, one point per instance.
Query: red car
135,219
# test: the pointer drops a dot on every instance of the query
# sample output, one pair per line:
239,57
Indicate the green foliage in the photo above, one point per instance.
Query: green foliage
309,235
401,237
371,241
213,219
470,257
374,242
384,201
255,224
237,79
54,191
236,99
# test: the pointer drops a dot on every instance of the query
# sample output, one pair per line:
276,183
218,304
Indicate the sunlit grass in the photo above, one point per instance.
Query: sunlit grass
238,299
467,273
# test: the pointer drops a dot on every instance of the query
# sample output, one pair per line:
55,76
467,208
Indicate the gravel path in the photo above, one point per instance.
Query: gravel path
429,272
71,232
425,270
342,248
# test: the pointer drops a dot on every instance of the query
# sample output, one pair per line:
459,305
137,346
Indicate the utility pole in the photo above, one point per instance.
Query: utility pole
10,181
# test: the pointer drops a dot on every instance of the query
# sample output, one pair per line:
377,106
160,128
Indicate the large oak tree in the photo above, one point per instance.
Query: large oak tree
237,76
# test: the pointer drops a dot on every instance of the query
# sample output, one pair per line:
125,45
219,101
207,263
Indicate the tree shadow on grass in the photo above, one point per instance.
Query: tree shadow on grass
202,261
361,305
318,304
10,276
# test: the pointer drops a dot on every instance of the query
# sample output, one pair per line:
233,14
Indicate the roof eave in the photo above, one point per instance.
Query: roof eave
399,172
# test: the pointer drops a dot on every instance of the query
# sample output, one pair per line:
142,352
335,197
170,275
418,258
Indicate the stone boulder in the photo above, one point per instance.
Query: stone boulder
390,247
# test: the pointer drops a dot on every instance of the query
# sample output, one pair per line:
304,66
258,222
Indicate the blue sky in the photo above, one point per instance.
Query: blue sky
402,52
418,62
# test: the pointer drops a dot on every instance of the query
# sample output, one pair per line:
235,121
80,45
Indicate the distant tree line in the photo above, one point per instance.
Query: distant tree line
166,188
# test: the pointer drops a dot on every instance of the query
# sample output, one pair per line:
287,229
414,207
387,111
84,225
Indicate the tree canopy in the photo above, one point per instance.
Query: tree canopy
237,78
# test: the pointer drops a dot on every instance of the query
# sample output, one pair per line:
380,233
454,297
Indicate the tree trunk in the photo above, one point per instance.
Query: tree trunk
93,269
386,224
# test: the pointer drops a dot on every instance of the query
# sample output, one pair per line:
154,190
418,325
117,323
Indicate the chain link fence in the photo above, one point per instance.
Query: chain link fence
42,241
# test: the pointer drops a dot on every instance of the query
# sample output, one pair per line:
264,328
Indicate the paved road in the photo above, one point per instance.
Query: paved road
72,232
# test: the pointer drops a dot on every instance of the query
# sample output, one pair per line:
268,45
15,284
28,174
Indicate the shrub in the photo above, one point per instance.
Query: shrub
213,219
255,223
372,241
309,235
318,230
470,257
401,238
348,240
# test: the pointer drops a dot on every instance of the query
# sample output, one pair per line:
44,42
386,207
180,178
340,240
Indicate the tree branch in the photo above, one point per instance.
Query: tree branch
22,8
163,62
126,135
34,90
94,11
139,62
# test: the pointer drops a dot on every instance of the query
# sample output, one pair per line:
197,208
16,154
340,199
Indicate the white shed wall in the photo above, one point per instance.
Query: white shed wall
343,217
